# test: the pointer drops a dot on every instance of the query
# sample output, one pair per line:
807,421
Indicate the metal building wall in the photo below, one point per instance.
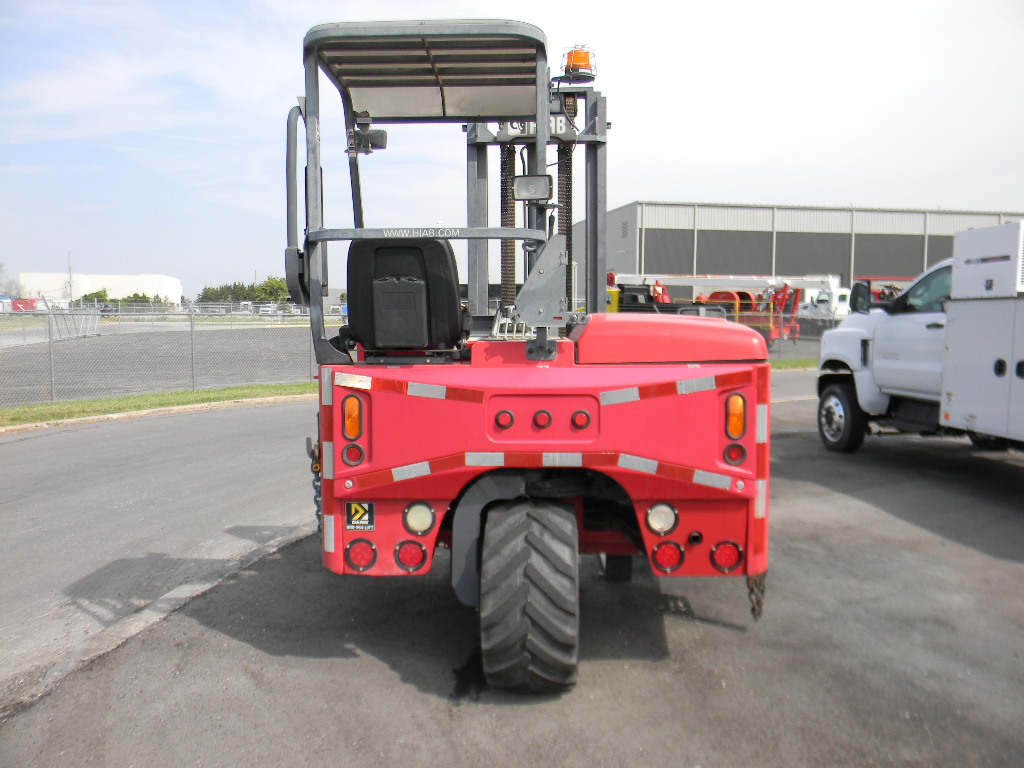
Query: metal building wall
721,238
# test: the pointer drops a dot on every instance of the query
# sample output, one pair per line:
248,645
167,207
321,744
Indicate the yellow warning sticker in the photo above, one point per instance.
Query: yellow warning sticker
359,516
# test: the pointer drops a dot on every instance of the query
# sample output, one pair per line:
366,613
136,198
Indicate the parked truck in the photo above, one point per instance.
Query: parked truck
505,447
946,357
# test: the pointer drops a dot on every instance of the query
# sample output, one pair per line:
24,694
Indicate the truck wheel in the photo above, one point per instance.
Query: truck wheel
529,596
980,443
841,422
616,567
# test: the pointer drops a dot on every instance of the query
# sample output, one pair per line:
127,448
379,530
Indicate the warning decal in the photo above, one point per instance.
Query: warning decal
359,516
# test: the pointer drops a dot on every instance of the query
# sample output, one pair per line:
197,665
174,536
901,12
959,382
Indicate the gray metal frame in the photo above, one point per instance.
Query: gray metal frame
468,71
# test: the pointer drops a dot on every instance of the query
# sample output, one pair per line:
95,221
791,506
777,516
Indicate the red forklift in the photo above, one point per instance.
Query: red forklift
507,444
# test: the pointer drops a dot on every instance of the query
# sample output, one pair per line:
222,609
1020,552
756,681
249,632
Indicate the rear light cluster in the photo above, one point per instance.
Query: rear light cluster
410,555
352,429
542,419
735,428
668,556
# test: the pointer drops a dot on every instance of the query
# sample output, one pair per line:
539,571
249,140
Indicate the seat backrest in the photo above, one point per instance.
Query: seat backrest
403,294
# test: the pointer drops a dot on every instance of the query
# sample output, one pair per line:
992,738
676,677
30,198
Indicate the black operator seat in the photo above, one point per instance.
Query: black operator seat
403,294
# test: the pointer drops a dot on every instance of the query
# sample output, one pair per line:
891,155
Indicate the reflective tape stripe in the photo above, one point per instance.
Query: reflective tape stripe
638,464
690,386
563,459
411,388
712,479
527,460
485,459
327,460
761,499
352,380
411,471
616,396
435,391
326,390
681,387
328,533
762,424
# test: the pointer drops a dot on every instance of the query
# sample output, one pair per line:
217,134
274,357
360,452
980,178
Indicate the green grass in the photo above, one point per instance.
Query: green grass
73,409
788,365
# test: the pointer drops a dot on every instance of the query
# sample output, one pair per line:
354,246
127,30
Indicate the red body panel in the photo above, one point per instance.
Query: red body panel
655,427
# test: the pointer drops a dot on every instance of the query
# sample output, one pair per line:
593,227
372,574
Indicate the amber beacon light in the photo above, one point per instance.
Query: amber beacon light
578,65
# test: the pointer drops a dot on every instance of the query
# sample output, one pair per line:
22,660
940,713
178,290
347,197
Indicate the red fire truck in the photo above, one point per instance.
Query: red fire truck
507,446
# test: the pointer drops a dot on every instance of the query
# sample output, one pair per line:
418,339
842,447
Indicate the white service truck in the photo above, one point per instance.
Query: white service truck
946,357
824,308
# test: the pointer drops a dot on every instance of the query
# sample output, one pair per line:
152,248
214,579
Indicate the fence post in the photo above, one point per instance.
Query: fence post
192,336
49,336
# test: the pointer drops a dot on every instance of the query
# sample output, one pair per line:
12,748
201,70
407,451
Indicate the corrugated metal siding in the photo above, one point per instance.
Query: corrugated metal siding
754,218
835,222
809,239
734,218
666,216
950,223
888,222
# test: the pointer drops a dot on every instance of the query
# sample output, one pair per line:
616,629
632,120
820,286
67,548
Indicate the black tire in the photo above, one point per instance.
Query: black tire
616,567
529,596
980,443
841,423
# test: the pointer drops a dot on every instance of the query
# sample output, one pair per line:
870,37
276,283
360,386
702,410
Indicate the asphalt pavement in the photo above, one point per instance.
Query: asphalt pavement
891,636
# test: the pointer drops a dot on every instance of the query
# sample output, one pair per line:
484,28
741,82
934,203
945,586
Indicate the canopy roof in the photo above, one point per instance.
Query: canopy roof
463,70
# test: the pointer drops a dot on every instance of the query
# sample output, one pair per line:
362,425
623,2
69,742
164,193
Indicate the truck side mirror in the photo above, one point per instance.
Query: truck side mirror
860,298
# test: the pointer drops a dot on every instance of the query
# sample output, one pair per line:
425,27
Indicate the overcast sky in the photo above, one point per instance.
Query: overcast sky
143,136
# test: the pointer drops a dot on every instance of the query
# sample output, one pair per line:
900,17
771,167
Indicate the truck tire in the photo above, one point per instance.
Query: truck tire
841,423
529,596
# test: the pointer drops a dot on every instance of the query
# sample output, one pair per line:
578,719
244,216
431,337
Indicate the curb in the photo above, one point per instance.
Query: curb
24,689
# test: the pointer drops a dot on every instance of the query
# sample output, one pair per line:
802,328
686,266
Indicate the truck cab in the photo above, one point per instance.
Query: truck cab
944,357
885,362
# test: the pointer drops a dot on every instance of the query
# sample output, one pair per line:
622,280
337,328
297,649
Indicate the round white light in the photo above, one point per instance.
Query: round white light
419,518
661,518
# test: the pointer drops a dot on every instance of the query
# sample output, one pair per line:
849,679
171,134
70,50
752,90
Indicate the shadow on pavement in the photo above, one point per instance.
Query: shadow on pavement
288,605
940,485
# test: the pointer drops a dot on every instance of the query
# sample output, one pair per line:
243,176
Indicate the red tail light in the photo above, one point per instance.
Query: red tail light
361,554
726,556
410,555
352,454
735,453
667,556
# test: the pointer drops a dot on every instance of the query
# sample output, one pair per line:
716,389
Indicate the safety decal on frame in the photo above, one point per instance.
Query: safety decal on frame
359,516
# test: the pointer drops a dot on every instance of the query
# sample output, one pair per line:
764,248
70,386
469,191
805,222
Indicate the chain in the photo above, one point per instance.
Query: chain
756,587
314,467
565,198
508,219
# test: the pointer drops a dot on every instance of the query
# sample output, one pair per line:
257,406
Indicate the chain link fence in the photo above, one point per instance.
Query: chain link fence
72,355
82,355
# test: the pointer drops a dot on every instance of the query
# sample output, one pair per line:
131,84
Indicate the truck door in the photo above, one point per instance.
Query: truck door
1016,372
910,340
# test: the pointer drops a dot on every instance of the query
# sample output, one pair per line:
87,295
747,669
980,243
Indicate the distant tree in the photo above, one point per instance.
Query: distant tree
273,289
100,295
135,298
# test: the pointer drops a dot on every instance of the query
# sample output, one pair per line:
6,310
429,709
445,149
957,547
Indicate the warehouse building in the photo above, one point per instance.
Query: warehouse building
57,286
722,238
